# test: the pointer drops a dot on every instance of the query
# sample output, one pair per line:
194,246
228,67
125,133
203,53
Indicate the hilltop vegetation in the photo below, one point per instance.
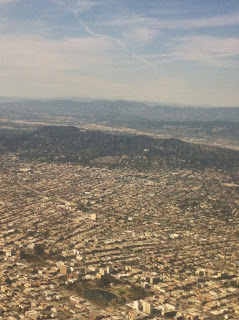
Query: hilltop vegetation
68,143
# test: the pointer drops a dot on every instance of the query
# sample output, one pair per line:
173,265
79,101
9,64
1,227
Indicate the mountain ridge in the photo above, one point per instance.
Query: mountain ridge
106,110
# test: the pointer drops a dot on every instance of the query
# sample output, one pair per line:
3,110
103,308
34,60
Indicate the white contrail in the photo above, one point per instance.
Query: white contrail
120,43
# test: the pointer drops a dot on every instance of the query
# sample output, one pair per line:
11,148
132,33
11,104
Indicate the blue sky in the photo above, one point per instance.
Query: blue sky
170,51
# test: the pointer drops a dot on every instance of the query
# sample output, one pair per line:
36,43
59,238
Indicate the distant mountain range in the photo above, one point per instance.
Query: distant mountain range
114,111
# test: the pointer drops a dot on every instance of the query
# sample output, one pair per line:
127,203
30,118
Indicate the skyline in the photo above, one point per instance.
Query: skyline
180,52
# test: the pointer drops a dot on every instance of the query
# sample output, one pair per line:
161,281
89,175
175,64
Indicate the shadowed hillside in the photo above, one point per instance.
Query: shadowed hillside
68,143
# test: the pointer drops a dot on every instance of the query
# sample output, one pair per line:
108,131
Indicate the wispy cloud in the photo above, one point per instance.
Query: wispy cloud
217,21
204,50
117,41
37,56
79,5
196,23
140,35
85,5
208,50
2,2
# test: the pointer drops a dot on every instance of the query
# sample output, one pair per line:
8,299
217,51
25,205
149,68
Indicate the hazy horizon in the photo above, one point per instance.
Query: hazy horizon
9,99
